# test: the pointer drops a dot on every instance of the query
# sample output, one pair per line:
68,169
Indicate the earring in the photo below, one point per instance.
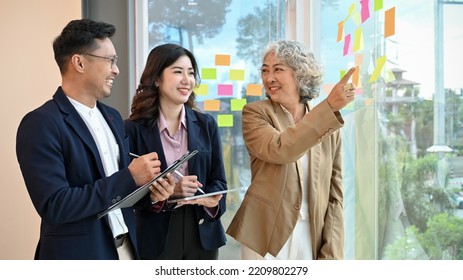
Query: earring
156,84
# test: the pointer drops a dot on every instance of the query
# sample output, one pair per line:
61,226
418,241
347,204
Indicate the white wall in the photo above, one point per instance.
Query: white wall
28,77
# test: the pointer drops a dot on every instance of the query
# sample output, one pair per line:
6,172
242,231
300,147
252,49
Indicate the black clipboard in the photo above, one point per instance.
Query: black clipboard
139,193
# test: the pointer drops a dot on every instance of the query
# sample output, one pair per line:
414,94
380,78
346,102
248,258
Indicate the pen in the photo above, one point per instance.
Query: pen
175,171
133,155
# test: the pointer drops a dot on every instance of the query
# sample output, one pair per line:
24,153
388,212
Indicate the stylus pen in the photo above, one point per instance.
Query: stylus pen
175,171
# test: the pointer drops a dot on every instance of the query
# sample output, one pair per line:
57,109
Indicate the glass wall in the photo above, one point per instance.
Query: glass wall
402,139
403,135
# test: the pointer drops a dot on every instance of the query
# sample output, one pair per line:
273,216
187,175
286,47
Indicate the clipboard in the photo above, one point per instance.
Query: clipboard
139,193
201,195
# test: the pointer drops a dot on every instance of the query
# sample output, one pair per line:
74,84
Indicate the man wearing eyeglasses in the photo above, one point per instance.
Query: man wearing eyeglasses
73,154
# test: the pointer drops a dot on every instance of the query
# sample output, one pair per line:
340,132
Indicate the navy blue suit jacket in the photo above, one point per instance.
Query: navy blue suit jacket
65,179
207,164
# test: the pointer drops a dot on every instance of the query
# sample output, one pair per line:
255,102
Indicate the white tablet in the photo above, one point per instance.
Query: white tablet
201,195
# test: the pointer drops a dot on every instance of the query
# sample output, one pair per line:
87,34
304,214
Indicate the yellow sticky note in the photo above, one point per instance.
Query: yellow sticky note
237,104
379,66
202,89
356,18
208,73
237,75
222,59
358,40
389,22
350,11
212,105
253,90
225,120
388,76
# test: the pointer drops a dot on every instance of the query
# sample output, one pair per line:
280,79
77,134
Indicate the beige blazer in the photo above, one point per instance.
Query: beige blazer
270,209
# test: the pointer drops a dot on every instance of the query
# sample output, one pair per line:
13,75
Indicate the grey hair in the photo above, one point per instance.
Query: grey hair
308,72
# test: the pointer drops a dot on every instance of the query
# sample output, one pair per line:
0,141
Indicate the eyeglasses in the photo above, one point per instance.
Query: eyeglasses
113,59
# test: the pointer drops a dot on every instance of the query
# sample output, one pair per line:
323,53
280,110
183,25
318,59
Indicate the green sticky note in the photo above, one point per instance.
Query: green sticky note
237,104
378,5
208,73
225,120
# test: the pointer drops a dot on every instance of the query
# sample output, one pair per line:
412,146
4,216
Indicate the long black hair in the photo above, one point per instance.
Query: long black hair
145,105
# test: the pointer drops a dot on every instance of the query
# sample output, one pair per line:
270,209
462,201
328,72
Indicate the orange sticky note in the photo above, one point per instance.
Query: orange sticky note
358,59
253,90
222,59
212,105
389,22
356,76
340,31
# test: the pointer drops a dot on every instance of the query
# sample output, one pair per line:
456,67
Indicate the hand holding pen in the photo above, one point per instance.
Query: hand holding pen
163,188
186,186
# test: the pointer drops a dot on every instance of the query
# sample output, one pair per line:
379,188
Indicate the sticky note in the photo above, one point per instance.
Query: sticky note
237,75
365,10
389,22
253,90
237,104
346,45
356,77
225,90
222,60
340,31
379,66
378,5
212,105
225,120
202,89
208,73
358,40
358,59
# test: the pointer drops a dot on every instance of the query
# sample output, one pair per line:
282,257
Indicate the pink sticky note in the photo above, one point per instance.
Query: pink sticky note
365,10
346,45
223,89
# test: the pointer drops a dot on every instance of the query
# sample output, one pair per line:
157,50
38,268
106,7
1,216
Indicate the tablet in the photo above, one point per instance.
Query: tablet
201,195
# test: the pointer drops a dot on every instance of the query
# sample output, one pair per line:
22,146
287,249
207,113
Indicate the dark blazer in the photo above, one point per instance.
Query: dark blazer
207,164
65,179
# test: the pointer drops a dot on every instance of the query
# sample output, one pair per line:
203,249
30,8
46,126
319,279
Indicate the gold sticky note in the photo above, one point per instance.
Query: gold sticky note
212,105
356,76
237,75
389,22
222,60
225,120
253,90
202,89
340,31
237,104
208,73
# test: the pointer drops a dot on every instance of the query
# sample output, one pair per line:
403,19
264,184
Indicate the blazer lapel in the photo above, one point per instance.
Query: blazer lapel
74,120
193,131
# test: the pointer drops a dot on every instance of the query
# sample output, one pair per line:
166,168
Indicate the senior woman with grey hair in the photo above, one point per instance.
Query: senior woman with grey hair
293,208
